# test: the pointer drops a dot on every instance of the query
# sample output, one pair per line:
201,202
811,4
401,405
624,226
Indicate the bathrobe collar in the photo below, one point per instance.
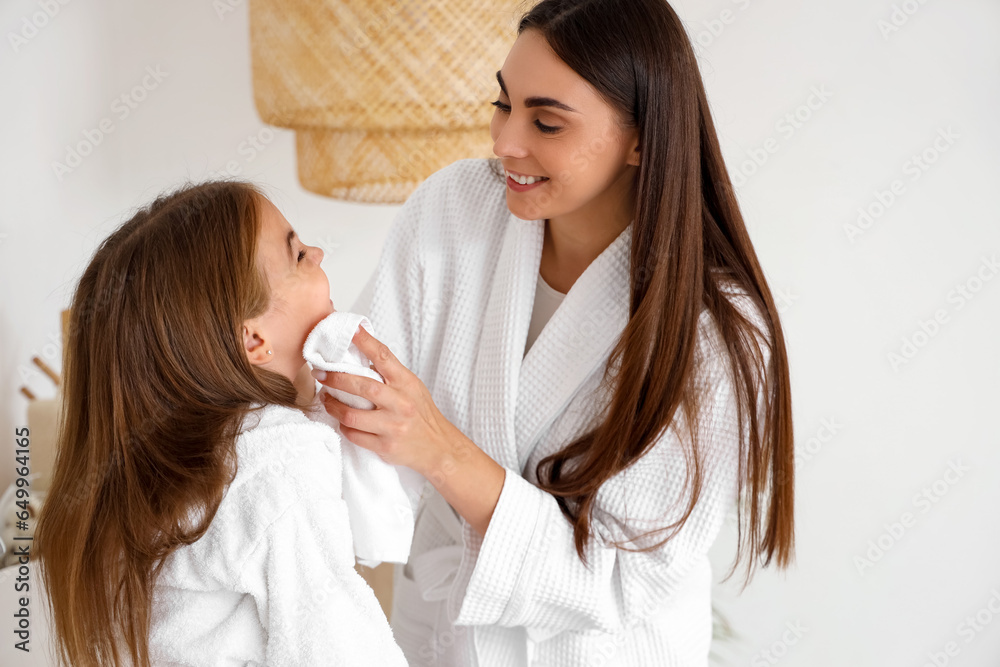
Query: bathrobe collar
514,400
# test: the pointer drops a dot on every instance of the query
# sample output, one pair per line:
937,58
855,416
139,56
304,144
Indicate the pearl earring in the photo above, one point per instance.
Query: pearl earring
269,351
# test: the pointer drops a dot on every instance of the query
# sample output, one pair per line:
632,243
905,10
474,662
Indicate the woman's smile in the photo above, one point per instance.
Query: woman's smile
522,182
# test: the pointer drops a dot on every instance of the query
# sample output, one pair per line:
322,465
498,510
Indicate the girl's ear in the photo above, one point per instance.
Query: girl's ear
256,346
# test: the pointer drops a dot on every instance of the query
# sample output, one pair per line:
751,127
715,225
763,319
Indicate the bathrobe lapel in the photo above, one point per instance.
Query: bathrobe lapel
515,400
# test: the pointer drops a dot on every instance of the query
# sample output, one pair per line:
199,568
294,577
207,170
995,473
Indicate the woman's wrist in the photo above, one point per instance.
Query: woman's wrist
452,450
467,478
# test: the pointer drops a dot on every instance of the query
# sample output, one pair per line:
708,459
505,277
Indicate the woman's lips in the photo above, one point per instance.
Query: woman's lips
517,187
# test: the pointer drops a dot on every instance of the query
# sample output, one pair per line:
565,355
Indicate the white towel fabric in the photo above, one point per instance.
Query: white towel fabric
381,498
329,347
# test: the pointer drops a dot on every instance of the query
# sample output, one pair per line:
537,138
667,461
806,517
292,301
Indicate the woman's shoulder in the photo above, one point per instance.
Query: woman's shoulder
463,199
469,179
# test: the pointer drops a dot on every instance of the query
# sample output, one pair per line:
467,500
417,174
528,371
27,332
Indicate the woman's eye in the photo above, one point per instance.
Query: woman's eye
547,129
302,255
505,108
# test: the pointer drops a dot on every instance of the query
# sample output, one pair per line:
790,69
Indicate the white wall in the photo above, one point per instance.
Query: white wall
197,120
872,434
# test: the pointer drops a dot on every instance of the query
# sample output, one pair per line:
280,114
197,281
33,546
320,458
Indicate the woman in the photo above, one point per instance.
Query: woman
581,461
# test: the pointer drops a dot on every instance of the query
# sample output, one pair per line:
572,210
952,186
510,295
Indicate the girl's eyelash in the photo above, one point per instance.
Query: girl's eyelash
547,129
302,254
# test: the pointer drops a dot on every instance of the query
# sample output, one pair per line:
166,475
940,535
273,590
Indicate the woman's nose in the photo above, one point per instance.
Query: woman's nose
510,142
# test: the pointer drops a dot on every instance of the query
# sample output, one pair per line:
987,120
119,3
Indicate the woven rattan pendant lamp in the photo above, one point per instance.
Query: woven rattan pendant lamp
380,93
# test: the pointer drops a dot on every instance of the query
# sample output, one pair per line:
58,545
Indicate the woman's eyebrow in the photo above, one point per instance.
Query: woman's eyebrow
536,101
288,242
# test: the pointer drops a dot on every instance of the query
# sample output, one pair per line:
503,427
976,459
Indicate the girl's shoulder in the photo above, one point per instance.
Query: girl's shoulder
283,460
277,443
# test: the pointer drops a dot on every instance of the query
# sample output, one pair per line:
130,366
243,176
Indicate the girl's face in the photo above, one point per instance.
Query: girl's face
300,295
550,123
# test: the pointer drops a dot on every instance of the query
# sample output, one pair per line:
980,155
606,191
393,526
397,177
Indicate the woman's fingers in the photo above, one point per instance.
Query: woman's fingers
357,435
359,385
406,428
383,360
355,418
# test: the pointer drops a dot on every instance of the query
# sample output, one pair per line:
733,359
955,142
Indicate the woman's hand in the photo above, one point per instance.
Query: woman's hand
407,429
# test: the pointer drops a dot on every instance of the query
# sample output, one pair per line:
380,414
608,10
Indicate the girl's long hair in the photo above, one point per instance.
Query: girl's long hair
156,385
687,234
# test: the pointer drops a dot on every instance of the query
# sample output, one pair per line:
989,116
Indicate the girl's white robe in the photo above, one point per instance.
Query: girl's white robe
453,296
272,581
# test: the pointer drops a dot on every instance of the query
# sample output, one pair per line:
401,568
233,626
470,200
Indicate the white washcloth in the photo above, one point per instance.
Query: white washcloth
380,507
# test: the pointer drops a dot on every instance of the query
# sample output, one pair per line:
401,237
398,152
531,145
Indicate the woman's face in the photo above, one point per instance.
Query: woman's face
300,295
550,123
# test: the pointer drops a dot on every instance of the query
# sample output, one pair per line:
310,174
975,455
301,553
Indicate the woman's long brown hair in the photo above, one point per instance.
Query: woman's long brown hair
157,383
687,233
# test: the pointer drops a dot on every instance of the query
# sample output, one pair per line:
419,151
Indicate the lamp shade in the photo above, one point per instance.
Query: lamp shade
380,93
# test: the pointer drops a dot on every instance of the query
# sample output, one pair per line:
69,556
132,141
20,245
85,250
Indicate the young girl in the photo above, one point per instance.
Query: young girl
195,515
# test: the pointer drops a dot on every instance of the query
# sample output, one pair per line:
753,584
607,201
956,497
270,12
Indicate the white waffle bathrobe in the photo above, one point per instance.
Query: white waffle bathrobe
453,296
